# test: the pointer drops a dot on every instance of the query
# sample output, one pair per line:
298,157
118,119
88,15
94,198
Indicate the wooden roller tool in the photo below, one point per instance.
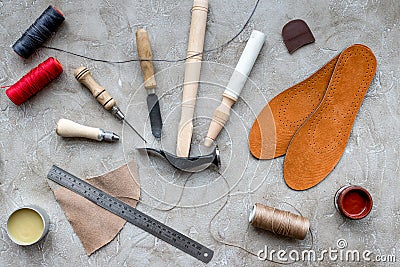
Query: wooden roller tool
192,75
145,55
68,128
82,74
235,85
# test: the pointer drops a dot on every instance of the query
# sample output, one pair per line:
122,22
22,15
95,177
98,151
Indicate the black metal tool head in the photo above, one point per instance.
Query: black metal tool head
189,164
155,115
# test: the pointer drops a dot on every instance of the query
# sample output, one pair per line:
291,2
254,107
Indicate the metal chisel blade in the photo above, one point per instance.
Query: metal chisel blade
155,115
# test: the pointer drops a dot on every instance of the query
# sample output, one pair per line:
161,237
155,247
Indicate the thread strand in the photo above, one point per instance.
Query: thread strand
230,244
227,243
162,60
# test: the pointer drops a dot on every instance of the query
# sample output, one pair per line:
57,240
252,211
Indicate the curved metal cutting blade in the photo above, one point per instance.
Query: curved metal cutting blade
190,164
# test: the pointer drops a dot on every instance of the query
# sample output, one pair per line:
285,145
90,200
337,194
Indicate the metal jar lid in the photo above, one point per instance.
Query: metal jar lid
39,211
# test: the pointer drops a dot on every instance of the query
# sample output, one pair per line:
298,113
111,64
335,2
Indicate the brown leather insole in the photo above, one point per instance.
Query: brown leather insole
278,121
318,145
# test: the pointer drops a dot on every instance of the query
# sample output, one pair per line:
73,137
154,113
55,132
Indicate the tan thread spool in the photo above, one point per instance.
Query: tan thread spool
279,221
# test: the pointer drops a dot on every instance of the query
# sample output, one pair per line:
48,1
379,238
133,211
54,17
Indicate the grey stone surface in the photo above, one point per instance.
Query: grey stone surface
105,29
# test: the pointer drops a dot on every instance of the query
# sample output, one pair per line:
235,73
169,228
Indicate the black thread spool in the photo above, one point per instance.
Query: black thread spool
38,32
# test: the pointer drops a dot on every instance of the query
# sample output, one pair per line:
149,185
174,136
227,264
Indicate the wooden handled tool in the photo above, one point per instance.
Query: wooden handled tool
82,74
235,85
68,128
145,55
192,75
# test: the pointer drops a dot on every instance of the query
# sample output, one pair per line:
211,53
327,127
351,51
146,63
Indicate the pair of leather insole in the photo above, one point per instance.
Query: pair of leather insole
311,121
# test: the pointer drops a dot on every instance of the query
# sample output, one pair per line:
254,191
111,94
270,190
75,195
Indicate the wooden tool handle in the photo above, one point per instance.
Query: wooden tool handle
144,52
68,128
221,116
197,30
192,75
82,74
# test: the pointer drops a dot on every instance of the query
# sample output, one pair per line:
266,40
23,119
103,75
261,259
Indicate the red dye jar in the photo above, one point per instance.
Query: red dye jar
354,202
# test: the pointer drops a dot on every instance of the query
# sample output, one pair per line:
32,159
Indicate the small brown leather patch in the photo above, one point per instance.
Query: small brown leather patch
296,34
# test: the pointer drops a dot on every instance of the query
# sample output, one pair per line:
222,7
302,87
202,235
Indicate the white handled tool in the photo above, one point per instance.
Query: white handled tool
67,128
235,85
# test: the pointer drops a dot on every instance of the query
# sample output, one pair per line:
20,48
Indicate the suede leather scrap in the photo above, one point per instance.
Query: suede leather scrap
314,134
94,225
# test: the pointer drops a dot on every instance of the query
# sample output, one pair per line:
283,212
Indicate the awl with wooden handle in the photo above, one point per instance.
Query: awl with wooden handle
145,57
68,128
235,85
82,74
192,75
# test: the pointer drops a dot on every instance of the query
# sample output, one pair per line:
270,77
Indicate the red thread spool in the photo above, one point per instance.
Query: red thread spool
34,81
